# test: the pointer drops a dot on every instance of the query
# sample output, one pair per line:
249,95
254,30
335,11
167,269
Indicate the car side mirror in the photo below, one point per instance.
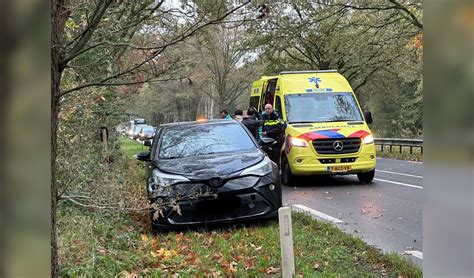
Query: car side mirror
147,143
143,156
368,117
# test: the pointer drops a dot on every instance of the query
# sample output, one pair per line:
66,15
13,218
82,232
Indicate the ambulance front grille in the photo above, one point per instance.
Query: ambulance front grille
326,146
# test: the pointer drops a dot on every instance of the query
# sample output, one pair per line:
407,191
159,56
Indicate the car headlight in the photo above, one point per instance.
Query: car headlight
297,142
368,139
260,169
164,180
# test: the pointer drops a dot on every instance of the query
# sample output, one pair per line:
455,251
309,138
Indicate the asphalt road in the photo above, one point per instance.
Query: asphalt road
386,213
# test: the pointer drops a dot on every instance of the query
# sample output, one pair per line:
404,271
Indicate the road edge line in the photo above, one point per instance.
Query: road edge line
414,253
396,173
303,208
399,183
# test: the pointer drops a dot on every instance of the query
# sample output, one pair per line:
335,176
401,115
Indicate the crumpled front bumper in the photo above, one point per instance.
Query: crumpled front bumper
240,199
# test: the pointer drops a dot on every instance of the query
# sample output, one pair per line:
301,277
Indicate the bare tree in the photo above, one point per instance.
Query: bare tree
224,54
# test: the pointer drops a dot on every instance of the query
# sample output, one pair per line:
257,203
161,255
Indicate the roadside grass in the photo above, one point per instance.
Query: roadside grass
130,147
102,245
96,243
416,154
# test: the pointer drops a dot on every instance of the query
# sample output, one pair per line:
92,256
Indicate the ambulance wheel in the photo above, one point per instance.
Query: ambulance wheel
287,178
366,177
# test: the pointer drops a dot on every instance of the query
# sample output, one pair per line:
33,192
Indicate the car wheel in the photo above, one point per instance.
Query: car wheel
366,177
287,178
159,230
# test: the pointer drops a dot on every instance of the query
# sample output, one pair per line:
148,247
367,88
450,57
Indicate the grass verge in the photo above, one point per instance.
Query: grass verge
99,243
130,147
416,154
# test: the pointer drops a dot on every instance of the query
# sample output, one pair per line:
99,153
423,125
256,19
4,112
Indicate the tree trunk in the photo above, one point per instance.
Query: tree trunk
54,187
58,19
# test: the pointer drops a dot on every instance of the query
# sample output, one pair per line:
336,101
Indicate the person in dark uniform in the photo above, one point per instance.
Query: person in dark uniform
273,127
251,122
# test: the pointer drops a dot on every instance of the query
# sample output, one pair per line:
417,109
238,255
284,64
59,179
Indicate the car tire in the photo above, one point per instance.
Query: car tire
366,177
159,230
287,178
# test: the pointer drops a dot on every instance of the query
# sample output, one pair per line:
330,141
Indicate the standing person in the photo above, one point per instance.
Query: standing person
273,127
225,115
238,115
257,115
251,122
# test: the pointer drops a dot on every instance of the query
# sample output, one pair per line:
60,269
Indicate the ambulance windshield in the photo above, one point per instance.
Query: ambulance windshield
322,107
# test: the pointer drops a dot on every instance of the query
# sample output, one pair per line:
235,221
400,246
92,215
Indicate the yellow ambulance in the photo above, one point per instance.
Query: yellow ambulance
326,131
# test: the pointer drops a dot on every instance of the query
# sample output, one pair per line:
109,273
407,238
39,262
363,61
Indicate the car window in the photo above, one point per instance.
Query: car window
202,139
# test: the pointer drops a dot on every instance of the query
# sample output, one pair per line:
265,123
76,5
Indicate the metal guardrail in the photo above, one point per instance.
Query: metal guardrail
396,142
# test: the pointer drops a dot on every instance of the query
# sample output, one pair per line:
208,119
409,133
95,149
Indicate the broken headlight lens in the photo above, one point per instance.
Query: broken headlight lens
164,180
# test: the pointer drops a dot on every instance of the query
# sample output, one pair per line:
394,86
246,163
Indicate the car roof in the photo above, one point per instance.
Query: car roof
206,122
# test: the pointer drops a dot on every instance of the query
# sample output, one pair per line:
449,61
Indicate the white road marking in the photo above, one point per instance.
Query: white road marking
316,213
409,161
400,183
415,253
416,162
396,173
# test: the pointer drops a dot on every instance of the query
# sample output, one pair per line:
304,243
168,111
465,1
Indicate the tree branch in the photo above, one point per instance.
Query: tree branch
414,20
186,34
86,35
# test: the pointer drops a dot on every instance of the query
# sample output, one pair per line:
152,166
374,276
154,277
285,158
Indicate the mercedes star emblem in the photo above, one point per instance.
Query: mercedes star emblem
338,146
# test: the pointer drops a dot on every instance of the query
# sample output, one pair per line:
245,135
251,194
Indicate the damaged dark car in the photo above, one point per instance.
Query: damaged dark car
209,172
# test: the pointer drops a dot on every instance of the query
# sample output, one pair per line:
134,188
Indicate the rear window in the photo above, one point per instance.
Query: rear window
186,141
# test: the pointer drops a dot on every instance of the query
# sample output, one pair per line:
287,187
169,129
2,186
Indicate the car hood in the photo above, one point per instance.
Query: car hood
216,165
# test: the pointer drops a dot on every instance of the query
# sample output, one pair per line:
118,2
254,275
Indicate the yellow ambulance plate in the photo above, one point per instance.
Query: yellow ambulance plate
337,169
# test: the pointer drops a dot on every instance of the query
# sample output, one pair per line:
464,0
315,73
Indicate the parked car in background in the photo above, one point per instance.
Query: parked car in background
214,171
146,132
136,130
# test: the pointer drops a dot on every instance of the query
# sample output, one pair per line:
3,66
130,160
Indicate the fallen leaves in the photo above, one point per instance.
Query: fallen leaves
249,263
272,270
163,254
126,274
180,236
256,248
232,267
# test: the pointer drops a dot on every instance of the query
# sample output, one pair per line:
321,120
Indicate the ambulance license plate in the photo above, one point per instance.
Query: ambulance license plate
338,169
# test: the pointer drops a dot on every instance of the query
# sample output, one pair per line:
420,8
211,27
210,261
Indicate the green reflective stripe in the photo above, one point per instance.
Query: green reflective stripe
272,122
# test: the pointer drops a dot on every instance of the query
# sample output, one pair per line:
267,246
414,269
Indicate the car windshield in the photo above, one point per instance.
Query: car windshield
321,107
202,139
